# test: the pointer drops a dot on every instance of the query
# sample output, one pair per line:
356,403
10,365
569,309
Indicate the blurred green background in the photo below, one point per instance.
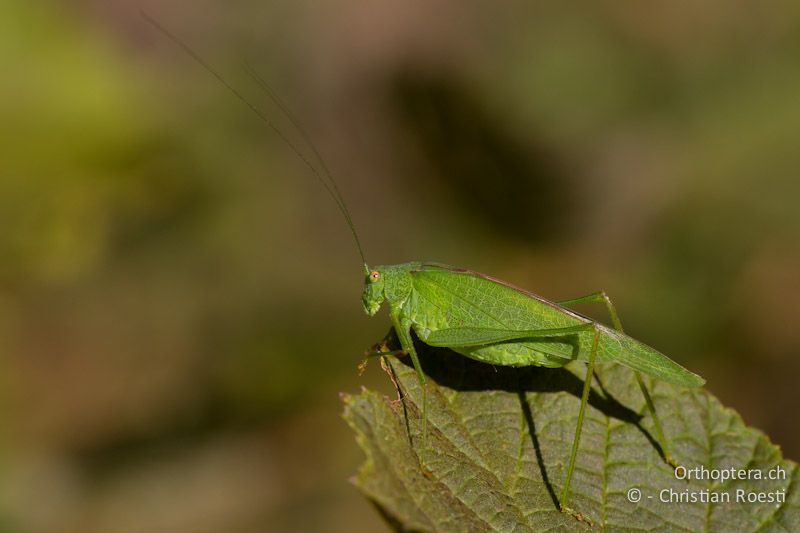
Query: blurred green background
180,300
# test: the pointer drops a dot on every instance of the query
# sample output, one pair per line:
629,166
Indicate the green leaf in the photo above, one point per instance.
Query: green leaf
499,442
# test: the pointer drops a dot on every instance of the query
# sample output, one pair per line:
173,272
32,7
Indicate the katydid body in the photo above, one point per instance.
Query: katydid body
489,320
494,322
481,317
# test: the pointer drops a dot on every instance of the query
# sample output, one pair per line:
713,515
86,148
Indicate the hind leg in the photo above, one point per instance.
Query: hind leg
602,297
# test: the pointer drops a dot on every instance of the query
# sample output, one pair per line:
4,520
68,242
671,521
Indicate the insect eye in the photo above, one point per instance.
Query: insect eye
374,275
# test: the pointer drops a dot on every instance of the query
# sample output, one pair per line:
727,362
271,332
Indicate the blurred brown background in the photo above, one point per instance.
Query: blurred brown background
180,300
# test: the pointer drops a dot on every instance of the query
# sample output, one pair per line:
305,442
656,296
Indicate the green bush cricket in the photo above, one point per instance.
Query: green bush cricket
482,317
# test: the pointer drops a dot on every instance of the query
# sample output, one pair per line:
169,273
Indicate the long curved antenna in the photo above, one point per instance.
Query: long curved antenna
329,184
261,82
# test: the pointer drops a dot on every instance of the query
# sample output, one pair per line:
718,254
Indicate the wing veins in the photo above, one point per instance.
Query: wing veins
461,298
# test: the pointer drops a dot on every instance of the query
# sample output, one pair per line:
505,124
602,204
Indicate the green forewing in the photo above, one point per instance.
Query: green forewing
444,299
638,356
